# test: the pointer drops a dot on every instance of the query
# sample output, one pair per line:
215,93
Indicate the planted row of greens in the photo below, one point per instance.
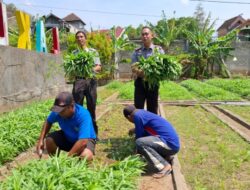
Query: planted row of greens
239,86
208,92
60,173
20,129
193,89
172,91
212,156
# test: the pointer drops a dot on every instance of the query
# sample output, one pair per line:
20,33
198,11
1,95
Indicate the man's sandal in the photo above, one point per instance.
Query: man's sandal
162,173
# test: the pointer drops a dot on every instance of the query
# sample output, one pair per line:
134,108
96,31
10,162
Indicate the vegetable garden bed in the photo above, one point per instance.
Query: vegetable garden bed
212,155
242,111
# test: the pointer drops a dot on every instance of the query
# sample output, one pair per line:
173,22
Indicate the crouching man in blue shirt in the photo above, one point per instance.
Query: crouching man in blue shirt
156,139
77,135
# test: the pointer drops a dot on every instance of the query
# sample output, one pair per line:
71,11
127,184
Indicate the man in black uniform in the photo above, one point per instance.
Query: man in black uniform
142,92
83,86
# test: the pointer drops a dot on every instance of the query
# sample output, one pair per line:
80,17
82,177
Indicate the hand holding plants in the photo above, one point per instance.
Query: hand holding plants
158,67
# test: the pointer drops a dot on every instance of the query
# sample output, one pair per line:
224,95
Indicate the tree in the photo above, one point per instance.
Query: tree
207,52
122,42
166,31
132,32
200,15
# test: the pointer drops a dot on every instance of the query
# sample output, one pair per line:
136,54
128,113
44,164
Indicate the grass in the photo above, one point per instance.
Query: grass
172,91
115,142
242,111
126,92
212,156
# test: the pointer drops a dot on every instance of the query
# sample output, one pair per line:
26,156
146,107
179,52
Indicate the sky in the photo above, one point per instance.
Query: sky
103,14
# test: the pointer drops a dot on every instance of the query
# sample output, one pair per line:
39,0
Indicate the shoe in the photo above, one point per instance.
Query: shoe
162,173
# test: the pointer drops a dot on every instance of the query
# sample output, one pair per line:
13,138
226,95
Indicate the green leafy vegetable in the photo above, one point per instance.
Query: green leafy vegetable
80,64
159,67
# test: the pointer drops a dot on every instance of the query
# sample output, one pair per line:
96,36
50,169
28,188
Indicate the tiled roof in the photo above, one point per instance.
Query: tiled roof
226,25
52,15
73,17
246,23
118,31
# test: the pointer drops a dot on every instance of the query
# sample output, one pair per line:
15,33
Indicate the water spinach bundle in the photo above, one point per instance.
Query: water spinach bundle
159,67
79,64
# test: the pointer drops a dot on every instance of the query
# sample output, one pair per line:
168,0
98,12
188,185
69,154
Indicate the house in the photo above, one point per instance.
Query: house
118,31
230,24
52,21
244,33
75,23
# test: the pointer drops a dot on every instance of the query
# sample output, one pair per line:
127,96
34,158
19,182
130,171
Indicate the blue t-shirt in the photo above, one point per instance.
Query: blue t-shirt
149,124
78,126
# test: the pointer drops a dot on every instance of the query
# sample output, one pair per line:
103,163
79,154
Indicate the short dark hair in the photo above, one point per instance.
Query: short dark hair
128,110
81,32
146,27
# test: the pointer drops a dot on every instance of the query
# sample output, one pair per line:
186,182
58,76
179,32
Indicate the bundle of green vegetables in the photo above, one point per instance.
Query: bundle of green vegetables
159,67
79,64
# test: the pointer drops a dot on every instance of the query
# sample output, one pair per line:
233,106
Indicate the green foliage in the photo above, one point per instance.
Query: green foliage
133,33
20,129
205,91
238,86
70,42
102,43
172,91
69,173
13,36
114,85
127,60
208,52
121,43
126,92
166,31
80,64
159,67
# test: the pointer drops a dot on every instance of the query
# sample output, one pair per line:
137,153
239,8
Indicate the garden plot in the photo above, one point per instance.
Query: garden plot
60,173
209,148
208,92
238,86
172,91
116,145
212,155
20,129
242,111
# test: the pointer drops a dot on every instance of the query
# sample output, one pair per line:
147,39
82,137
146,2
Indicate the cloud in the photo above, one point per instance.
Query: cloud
185,2
28,3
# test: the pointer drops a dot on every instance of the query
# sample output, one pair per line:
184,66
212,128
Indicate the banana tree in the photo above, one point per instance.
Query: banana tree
207,52
166,31
122,42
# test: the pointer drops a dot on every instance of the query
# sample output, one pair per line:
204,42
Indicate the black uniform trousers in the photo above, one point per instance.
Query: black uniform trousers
142,93
86,87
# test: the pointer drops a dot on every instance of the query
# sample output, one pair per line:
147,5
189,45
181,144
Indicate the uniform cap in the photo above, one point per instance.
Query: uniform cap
63,99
